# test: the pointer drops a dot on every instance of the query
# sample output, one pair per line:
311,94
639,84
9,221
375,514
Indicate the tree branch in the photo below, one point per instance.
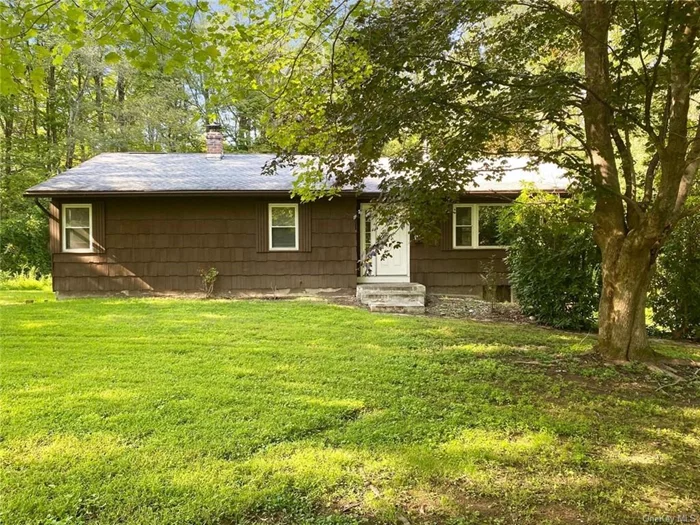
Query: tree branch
633,203
690,171
649,179
53,3
303,47
639,39
335,41
627,161
649,88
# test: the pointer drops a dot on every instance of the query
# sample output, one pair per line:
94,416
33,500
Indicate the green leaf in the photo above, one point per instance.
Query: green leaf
36,77
105,40
60,53
212,51
134,35
112,58
8,86
42,52
151,55
169,67
201,55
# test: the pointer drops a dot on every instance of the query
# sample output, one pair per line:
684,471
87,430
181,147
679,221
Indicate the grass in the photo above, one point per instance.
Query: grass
184,411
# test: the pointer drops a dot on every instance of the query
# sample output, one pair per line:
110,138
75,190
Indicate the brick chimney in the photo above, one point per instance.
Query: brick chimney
215,141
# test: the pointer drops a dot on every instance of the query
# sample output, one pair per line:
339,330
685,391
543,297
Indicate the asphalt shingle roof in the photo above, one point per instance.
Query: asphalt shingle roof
143,173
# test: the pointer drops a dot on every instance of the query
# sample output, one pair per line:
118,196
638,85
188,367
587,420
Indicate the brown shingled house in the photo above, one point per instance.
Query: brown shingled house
124,222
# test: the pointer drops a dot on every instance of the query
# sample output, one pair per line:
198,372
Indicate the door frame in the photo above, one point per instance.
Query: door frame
379,278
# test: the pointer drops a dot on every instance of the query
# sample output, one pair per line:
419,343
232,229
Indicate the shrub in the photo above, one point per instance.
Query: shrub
675,288
490,277
208,280
554,263
26,279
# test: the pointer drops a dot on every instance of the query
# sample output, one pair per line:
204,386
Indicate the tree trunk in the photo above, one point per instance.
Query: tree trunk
121,119
51,134
626,254
70,127
70,145
99,105
243,137
8,131
35,117
627,270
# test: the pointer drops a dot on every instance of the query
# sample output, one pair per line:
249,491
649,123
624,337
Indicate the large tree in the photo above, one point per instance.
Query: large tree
608,90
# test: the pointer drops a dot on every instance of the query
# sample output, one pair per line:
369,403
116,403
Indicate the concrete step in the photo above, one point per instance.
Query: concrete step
392,286
404,309
392,297
389,289
368,297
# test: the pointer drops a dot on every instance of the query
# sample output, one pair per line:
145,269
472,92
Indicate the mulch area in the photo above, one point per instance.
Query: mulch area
462,307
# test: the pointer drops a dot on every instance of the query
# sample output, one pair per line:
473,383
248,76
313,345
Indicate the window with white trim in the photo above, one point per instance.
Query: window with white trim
476,225
462,226
77,228
283,224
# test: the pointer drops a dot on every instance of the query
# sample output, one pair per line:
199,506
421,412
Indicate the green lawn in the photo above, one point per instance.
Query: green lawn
222,412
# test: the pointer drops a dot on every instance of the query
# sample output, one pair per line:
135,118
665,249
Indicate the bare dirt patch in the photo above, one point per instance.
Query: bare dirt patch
463,307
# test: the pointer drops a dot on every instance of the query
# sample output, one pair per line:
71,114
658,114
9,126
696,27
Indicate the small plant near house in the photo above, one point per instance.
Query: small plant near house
490,277
208,280
275,296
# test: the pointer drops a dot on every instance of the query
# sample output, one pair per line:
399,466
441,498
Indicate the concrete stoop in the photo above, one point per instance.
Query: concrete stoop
405,298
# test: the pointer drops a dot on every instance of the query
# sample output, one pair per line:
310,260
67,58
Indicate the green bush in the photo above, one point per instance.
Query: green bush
554,263
24,242
675,289
27,279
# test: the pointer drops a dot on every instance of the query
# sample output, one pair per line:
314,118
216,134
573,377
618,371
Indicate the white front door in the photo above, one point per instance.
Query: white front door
391,266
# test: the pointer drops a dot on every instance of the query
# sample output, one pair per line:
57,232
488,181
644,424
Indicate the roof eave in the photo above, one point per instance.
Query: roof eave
233,193
170,193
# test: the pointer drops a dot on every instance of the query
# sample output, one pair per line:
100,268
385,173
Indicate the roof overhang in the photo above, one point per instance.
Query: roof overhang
242,193
193,193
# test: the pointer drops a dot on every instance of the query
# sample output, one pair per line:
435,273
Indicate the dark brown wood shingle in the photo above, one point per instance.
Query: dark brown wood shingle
98,227
55,227
261,227
305,227
446,238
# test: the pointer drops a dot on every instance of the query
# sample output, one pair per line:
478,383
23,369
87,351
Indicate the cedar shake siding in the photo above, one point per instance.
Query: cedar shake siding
160,244
454,271
444,269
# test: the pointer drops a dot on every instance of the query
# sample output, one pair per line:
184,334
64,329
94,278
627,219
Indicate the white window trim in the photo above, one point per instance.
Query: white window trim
296,227
454,226
64,207
475,226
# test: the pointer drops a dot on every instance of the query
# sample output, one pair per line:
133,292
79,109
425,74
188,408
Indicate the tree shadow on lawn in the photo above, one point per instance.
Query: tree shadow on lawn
299,414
